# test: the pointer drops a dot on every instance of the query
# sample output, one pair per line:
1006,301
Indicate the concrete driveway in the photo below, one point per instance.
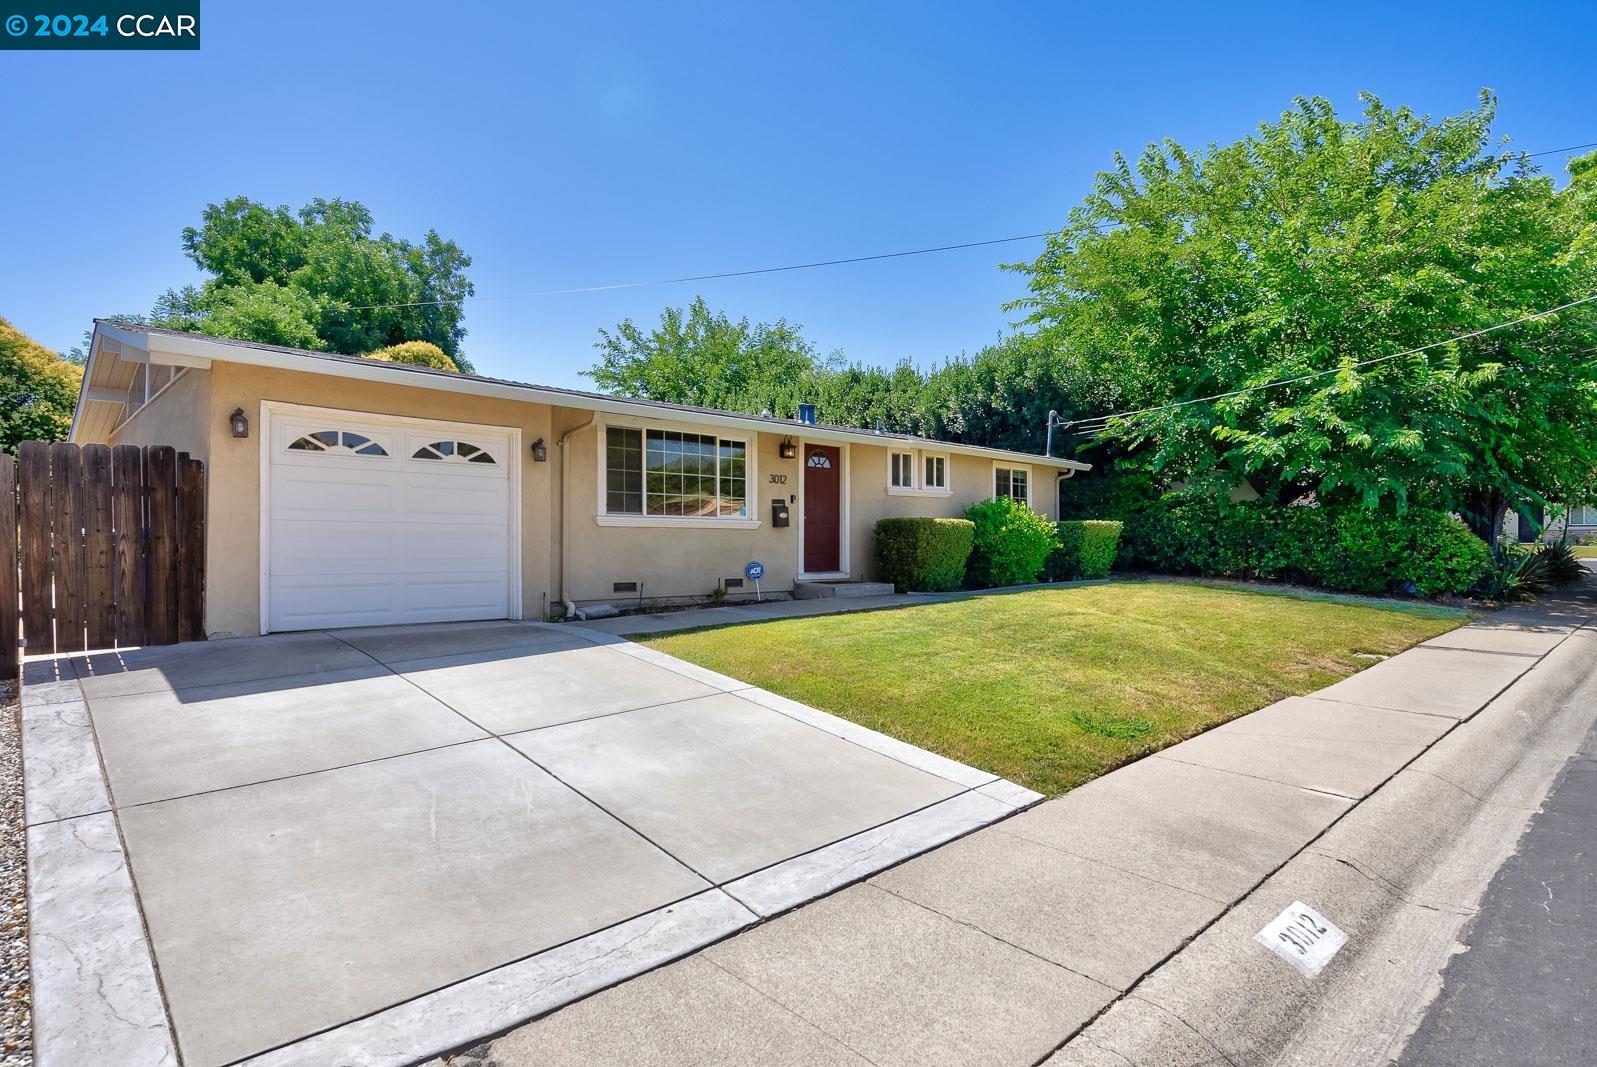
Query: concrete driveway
370,846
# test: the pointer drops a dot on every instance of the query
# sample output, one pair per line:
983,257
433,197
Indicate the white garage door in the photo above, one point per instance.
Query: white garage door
373,520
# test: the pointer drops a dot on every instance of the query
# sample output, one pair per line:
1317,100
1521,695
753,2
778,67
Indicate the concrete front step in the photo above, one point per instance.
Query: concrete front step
823,590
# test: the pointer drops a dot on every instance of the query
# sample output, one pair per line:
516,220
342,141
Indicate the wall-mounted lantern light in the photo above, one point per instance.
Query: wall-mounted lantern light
540,451
788,449
238,423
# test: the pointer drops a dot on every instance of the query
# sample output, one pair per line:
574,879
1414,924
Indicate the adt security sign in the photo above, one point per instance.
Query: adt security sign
754,570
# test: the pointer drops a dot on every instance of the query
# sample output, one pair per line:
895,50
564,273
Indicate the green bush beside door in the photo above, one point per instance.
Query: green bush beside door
923,555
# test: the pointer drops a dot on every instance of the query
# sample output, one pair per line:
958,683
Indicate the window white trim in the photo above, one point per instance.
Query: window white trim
900,474
731,522
513,473
917,473
1031,481
602,514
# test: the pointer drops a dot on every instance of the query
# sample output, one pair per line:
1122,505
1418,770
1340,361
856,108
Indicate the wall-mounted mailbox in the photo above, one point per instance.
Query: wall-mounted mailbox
778,513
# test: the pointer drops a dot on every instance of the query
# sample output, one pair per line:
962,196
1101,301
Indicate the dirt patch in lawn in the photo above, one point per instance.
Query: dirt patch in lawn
1052,687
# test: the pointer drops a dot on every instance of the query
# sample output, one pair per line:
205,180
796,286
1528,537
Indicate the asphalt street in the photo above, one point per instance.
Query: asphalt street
1526,991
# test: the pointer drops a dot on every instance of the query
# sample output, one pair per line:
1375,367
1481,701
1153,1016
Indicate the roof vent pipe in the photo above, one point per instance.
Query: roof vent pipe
807,414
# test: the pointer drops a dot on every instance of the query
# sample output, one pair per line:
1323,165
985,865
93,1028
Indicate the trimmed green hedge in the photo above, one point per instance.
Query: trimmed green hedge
1012,545
1086,549
1422,551
923,555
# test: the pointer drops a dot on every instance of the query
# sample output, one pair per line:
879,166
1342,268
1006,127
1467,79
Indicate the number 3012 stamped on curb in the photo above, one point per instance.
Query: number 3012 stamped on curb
1303,937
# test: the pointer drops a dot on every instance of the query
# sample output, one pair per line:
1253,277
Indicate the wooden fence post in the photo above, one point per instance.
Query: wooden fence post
66,525
10,654
127,517
33,459
161,567
98,547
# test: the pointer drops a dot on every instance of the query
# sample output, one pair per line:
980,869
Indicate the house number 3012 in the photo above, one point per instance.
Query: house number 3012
778,479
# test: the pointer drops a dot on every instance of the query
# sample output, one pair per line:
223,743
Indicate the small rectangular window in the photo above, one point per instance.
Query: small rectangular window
903,470
936,472
1012,482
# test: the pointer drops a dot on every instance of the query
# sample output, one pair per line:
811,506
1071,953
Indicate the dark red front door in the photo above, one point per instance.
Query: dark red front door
823,517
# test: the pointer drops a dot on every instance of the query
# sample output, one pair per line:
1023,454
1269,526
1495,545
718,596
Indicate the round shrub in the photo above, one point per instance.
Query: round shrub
416,353
1446,556
1086,549
1012,543
923,555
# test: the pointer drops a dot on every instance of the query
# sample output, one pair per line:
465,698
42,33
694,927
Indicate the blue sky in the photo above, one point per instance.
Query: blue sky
572,145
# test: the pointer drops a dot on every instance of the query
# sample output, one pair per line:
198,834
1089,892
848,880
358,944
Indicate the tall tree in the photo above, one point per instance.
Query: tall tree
38,390
702,357
318,278
1313,245
999,397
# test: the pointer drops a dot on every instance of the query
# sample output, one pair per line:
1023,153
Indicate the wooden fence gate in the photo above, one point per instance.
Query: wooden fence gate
107,549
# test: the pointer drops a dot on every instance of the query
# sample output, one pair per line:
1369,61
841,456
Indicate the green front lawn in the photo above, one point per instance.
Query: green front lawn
1052,687
1586,551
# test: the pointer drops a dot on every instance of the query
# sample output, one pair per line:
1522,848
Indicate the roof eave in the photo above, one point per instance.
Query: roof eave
188,347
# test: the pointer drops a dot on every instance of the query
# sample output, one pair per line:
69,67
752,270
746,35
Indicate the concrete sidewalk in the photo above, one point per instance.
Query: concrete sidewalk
1128,904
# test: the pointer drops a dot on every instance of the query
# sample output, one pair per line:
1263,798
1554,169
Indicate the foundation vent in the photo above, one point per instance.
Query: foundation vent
732,583
624,587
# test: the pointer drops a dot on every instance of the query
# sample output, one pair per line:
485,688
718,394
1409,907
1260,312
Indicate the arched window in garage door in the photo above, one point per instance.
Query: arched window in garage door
337,441
458,451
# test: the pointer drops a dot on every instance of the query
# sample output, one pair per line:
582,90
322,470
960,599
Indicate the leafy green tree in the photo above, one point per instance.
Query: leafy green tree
318,278
999,397
701,357
38,390
1315,244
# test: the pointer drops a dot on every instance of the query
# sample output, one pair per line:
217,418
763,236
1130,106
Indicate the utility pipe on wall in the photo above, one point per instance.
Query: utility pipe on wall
564,525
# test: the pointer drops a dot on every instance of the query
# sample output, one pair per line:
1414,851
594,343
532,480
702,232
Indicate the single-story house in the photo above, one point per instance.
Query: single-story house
348,492
1573,523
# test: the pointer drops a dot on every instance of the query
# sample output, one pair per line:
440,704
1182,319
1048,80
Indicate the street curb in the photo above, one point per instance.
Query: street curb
1400,872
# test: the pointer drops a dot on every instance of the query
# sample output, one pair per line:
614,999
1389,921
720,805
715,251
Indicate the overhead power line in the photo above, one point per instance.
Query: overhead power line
1097,423
1557,151
722,275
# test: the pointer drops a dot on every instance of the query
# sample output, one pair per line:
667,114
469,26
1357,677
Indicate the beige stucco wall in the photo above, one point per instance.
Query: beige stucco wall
671,562
970,480
178,415
232,595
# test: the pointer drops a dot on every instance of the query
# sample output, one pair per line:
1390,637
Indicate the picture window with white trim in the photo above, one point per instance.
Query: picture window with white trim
675,474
